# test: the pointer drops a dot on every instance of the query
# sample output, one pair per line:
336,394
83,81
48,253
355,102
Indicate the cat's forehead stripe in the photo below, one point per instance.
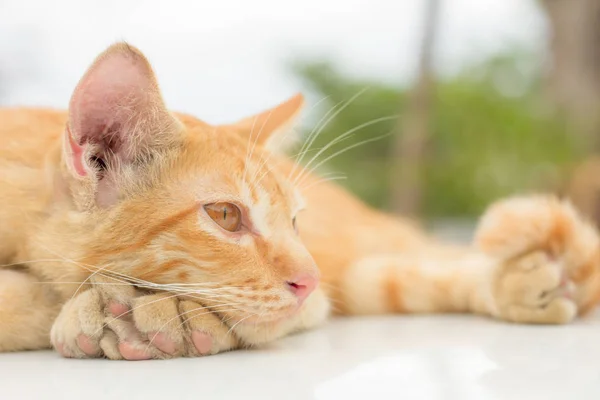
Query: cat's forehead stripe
261,174
258,202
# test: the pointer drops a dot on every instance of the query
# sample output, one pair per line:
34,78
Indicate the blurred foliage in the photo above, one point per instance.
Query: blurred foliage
490,134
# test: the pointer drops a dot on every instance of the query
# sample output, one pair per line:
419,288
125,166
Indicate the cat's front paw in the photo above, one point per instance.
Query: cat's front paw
548,260
131,327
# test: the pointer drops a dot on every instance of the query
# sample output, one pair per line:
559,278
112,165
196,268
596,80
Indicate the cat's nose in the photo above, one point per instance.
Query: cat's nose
302,286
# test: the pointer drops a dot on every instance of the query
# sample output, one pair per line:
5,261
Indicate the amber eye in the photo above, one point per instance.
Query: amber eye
228,216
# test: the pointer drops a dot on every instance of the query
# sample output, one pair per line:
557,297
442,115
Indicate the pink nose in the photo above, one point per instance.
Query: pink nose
302,286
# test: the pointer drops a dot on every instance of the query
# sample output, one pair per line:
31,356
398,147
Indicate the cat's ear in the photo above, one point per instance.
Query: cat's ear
273,129
116,118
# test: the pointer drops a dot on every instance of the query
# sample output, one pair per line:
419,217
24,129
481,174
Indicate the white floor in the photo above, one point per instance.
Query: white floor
397,357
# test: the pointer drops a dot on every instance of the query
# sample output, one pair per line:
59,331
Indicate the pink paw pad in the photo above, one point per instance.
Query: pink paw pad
162,342
87,346
60,347
117,309
129,352
202,342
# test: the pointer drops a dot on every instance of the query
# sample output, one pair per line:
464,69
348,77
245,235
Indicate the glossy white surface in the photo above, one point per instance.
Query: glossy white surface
397,357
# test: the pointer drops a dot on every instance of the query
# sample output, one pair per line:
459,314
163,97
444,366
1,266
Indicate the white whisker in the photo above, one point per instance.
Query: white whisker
337,153
338,139
180,315
248,146
323,121
320,181
249,157
310,142
31,262
241,320
264,160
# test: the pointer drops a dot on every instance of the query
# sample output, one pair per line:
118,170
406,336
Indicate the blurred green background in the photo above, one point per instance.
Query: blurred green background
516,122
476,99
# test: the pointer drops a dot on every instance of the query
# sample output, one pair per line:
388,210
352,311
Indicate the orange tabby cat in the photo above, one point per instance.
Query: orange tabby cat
131,232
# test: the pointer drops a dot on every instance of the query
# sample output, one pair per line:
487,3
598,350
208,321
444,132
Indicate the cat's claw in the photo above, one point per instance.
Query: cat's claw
151,327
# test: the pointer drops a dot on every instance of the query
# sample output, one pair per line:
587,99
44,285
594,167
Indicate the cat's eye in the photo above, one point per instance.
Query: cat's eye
227,215
295,224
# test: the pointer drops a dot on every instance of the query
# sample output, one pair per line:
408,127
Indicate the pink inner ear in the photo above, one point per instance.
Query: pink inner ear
111,105
115,114
77,154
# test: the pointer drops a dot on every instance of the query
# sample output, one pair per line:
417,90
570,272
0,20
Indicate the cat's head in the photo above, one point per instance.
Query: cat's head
171,200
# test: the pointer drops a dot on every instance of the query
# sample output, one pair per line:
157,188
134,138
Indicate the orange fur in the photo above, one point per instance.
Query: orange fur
57,224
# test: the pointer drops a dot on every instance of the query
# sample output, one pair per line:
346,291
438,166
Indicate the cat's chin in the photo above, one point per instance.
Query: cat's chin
269,319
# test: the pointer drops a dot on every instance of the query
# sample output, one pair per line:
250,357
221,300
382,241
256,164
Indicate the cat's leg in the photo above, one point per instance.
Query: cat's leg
433,281
27,310
537,261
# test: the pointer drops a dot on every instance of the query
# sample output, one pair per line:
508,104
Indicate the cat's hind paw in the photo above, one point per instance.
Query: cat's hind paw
548,260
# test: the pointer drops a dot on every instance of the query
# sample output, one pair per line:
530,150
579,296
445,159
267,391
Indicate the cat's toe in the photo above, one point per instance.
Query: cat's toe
202,342
163,342
176,328
62,350
79,326
117,309
157,319
134,351
88,345
205,332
